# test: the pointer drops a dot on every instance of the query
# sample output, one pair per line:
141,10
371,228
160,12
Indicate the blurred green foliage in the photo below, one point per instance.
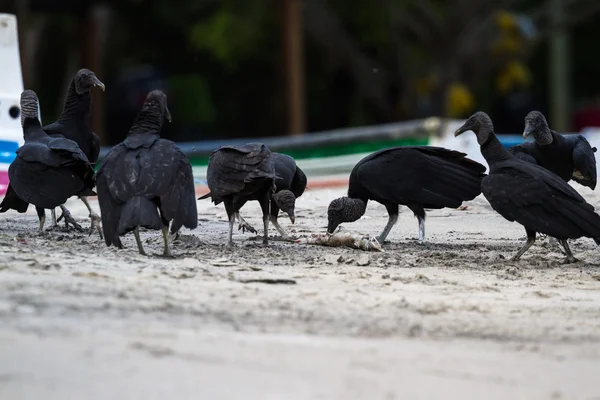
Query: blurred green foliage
190,95
231,34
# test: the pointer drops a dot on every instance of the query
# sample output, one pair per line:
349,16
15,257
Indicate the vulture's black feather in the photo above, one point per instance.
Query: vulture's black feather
237,174
47,170
529,194
146,181
568,156
418,177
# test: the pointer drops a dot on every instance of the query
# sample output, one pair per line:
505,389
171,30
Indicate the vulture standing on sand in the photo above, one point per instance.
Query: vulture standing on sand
237,174
47,171
418,177
290,184
146,181
568,156
529,194
73,124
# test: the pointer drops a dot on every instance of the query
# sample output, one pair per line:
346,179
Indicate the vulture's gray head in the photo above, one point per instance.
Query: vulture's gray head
157,100
29,105
344,209
85,80
286,201
481,124
536,125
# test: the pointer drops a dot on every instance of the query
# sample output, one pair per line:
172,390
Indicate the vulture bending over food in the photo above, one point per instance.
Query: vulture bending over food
418,177
290,184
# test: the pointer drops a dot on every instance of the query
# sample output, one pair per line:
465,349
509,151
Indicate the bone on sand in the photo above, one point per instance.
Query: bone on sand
348,239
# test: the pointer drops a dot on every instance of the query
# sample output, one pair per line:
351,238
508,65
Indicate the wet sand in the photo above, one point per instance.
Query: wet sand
452,318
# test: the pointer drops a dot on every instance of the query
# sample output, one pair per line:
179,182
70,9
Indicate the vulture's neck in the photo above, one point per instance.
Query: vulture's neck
493,151
543,136
76,105
148,121
32,129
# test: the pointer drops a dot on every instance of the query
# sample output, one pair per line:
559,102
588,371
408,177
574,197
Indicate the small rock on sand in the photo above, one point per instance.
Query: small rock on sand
363,260
333,259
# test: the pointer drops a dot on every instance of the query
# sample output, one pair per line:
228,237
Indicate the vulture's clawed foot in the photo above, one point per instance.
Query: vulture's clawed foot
69,220
95,225
244,226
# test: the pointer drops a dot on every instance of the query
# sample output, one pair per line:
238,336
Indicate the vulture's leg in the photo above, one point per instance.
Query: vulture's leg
243,225
42,217
421,229
54,222
66,214
136,233
555,242
420,214
570,259
283,233
231,215
273,219
266,229
237,204
94,217
230,235
528,244
165,233
392,210
264,205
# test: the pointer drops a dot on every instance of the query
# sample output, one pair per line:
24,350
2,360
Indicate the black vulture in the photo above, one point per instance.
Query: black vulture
529,194
418,177
46,171
237,174
290,184
146,181
568,156
74,124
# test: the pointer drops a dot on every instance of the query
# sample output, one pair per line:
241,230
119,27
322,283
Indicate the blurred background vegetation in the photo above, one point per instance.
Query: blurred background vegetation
256,68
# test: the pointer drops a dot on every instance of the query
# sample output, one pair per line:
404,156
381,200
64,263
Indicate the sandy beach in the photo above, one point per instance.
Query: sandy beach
451,318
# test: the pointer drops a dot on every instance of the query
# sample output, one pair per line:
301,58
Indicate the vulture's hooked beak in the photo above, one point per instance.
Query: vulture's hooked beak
292,218
167,114
528,131
464,128
97,83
